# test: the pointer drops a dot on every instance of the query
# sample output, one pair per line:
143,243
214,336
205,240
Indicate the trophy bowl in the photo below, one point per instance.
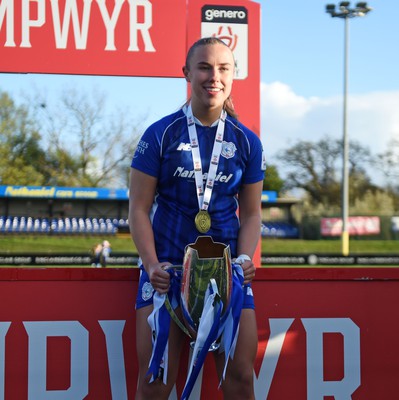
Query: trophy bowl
204,260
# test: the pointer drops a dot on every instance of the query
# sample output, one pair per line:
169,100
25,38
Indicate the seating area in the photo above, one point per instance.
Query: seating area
279,230
99,226
65,226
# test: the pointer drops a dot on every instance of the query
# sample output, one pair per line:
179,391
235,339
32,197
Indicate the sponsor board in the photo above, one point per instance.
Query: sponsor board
101,37
56,192
330,259
230,24
325,333
266,260
64,259
356,226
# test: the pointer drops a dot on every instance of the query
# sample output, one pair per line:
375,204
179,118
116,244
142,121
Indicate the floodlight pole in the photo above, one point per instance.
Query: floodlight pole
345,149
346,12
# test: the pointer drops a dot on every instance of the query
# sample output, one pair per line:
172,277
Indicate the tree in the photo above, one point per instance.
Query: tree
22,160
316,169
72,142
272,180
92,147
389,163
312,167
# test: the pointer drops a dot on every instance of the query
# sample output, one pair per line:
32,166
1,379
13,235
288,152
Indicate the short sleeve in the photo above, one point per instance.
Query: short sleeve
146,158
255,170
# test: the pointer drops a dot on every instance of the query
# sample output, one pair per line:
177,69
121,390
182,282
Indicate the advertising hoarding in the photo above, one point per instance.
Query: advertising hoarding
327,333
356,226
101,37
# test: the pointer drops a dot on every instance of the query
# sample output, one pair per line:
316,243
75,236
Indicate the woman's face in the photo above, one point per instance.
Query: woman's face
211,73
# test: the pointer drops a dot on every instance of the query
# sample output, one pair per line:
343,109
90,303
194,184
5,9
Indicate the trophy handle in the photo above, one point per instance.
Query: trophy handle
170,309
176,318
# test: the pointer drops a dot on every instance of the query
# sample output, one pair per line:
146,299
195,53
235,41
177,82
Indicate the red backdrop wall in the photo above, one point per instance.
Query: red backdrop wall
327,333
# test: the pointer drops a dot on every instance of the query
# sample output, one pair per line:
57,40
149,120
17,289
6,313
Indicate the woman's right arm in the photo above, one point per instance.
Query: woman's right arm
141,197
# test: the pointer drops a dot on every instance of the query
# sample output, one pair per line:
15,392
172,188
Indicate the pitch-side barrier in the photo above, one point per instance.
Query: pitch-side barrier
129,259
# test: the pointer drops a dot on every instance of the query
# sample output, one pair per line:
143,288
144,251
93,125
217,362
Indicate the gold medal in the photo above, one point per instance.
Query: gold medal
203,221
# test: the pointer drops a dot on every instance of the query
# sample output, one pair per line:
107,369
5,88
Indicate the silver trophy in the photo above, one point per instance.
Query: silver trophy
211,301
205,262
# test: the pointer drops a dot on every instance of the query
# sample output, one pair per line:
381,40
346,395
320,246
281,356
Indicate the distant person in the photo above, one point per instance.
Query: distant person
105,253
96,255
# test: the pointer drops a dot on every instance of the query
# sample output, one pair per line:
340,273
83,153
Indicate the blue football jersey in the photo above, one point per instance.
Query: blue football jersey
164,152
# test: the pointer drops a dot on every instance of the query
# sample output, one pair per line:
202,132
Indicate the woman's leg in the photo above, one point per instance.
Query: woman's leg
239,384
155,390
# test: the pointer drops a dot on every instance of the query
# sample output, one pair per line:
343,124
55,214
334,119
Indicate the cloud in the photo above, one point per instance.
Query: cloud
286,117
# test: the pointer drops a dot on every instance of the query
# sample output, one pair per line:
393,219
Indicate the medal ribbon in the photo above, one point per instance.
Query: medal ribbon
204,197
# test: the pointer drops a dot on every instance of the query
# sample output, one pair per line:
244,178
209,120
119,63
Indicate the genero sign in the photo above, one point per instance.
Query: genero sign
323,334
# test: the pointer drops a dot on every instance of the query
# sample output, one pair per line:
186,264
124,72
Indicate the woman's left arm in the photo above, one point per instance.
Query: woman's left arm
249,199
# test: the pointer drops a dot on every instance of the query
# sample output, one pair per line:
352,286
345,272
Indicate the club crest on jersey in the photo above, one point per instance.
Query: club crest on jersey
228,149
147,291
249,291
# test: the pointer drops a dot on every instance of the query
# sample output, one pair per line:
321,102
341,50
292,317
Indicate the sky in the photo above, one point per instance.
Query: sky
302,71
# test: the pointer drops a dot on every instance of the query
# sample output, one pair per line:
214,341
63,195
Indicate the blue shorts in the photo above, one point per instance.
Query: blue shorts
145,292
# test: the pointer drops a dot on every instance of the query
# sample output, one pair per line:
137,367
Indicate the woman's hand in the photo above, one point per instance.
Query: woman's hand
249,270
159,278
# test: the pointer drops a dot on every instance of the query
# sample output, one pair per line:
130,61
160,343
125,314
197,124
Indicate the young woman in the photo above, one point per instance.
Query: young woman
164,203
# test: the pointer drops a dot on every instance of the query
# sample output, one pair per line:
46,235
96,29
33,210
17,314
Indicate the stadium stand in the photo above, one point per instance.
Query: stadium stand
65,226
279,230
99,226
96,211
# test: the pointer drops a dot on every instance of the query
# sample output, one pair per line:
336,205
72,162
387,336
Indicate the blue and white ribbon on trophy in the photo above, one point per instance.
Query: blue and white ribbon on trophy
213,327
159,321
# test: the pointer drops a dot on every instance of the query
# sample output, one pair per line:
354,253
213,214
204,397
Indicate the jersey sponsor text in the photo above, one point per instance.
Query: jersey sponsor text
181,172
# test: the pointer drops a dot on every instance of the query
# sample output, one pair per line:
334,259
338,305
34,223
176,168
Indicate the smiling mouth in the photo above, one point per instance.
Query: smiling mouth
213,89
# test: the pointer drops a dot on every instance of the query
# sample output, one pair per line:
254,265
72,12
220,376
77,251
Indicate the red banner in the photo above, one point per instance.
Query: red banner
323,334
356,226
96,37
